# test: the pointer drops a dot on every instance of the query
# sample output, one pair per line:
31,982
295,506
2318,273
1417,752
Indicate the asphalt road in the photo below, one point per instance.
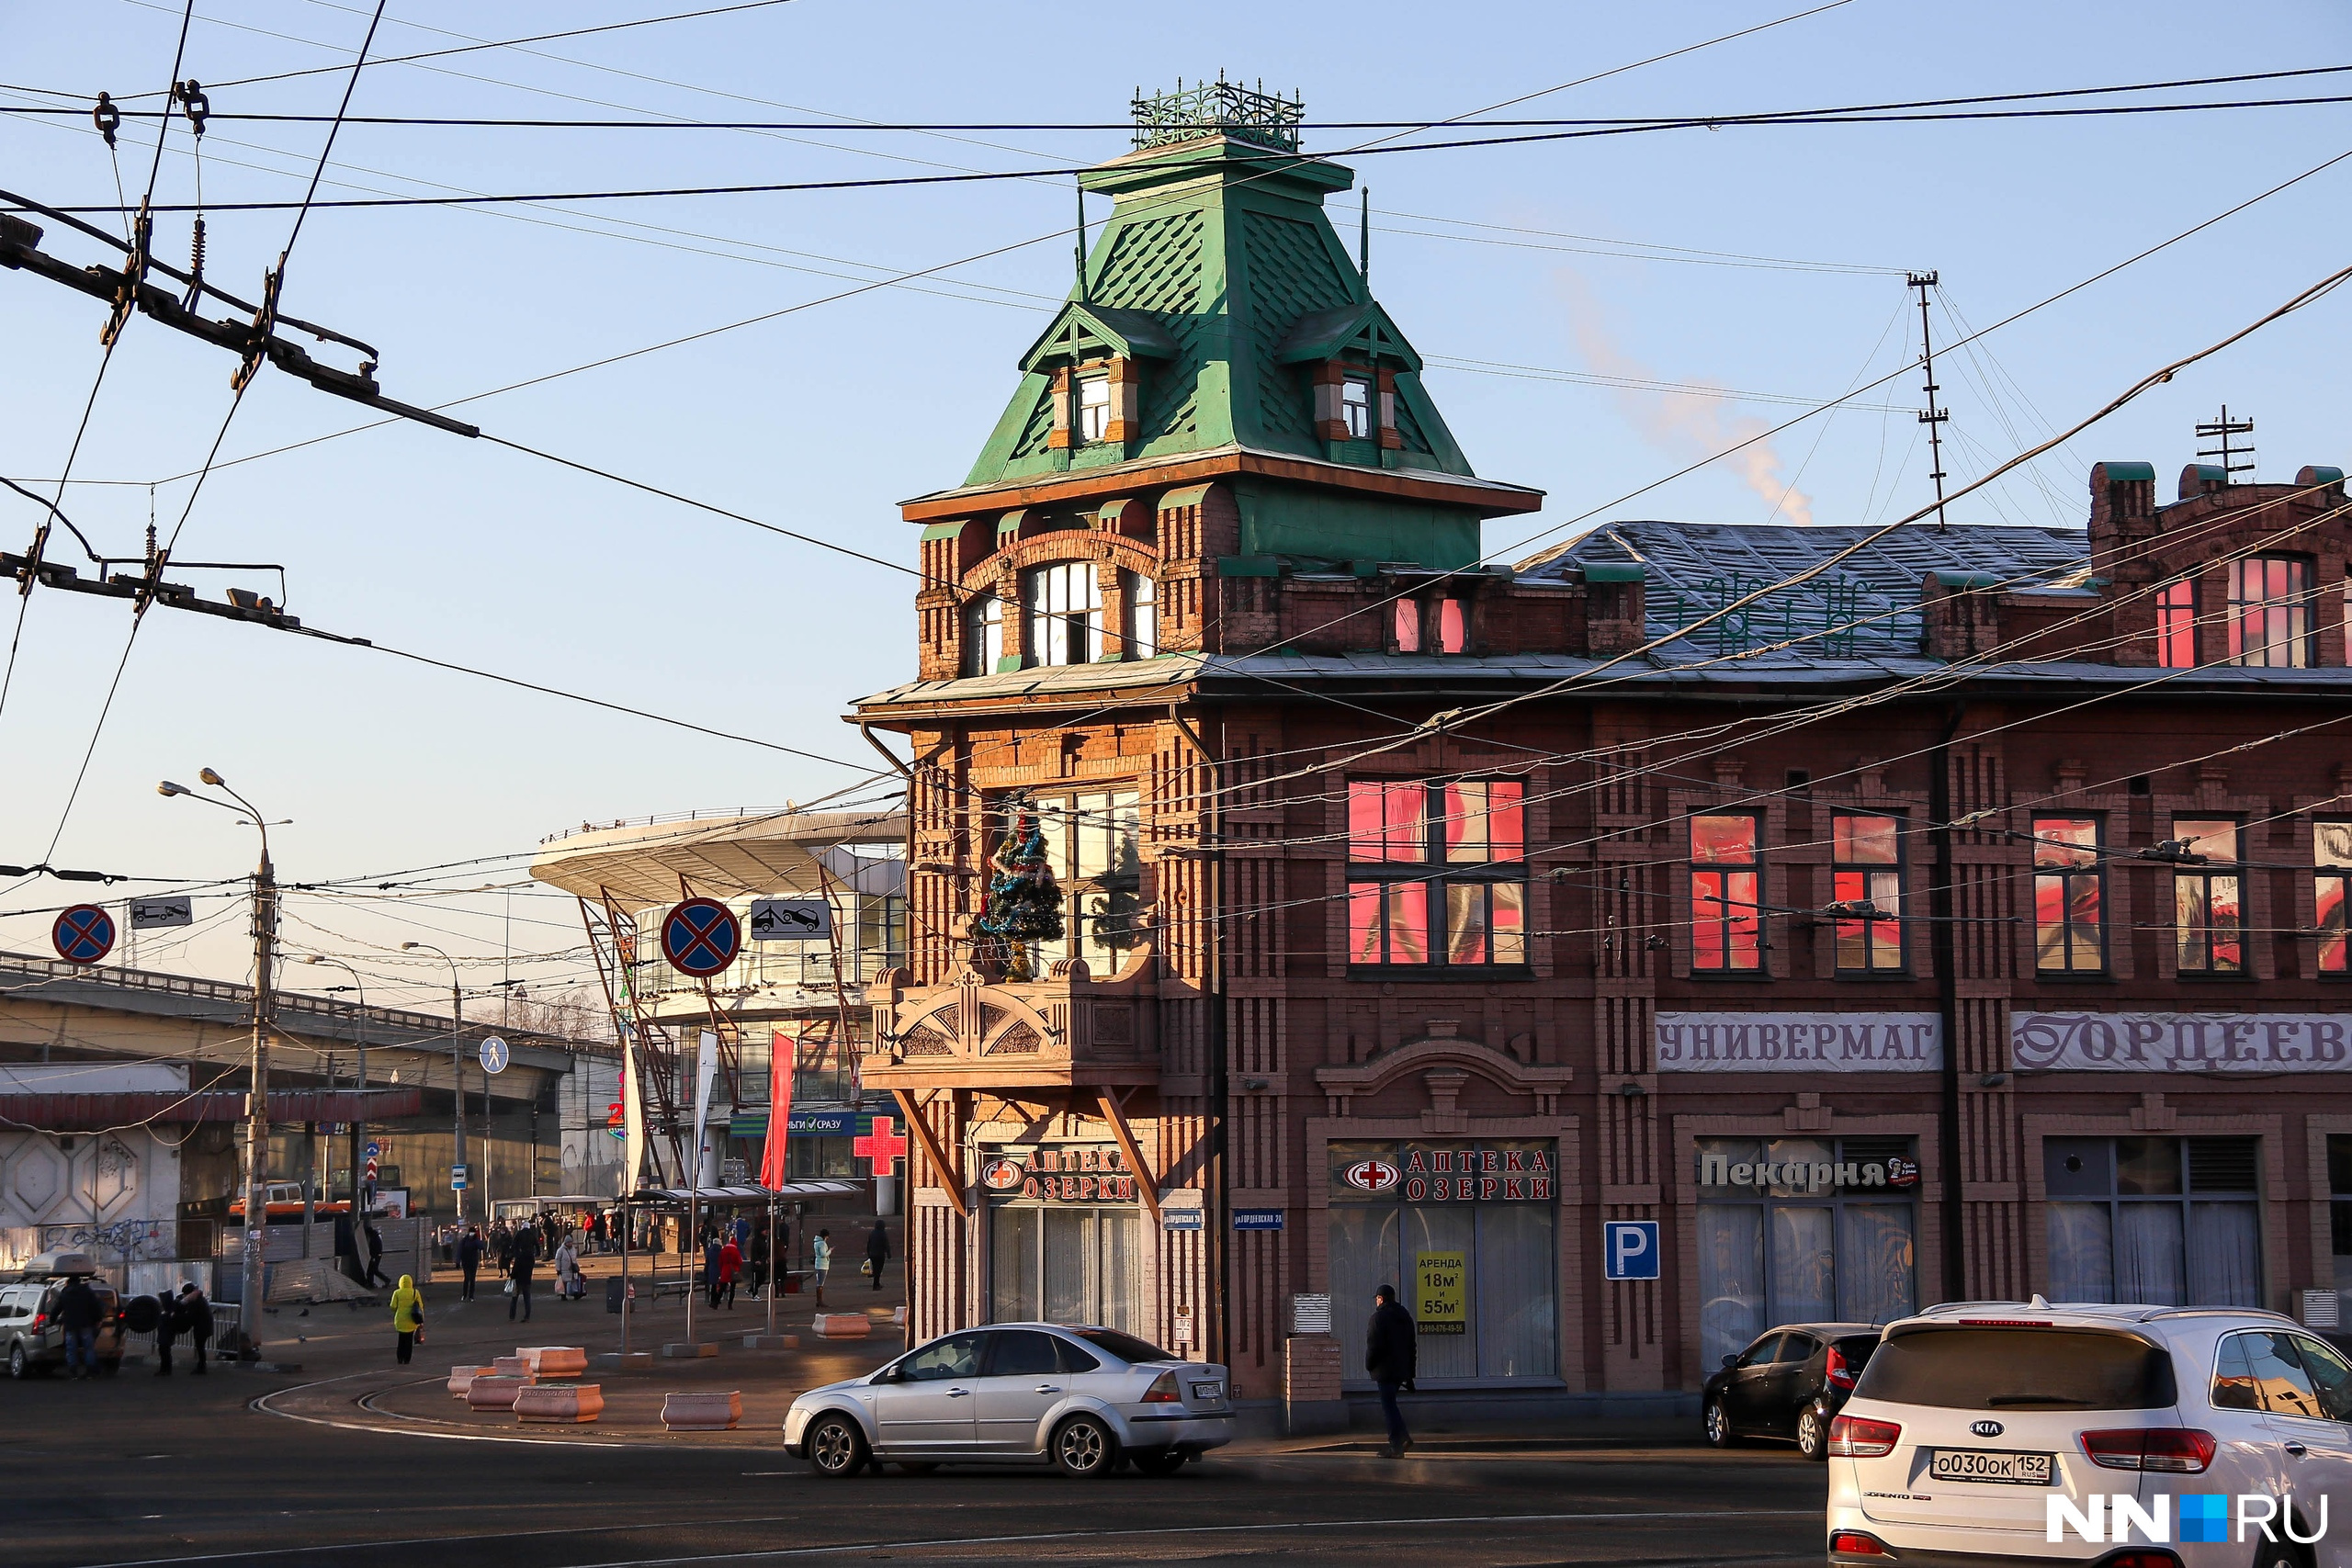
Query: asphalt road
137,1469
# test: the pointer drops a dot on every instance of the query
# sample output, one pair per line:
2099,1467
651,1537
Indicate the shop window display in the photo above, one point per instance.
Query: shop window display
1467,1232
1803,1229
2167,1222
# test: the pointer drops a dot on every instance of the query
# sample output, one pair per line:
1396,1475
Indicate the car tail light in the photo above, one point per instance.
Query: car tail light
1859,1436
1162,1391
39,1318
1854,1543
1837,1370
2182,1450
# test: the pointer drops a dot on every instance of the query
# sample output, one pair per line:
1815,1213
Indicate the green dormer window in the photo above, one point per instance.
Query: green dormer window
1093,409
1355,407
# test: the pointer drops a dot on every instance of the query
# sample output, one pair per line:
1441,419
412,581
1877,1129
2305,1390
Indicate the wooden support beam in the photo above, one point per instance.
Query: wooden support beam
948,1177
1145,1188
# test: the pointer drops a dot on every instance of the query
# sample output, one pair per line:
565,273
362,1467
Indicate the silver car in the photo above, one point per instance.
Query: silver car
1084,1399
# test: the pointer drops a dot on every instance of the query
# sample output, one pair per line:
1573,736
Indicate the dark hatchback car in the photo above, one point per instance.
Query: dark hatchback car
1788,1385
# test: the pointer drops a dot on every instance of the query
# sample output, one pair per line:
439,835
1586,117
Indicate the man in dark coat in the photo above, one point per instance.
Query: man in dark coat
877,1251
167,1329
470,1261
522,1257
79,1314
196,1320
1389,1353
375,1275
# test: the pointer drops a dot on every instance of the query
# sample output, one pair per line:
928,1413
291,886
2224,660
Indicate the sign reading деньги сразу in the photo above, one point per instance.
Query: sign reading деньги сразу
1799,1042
2182,1041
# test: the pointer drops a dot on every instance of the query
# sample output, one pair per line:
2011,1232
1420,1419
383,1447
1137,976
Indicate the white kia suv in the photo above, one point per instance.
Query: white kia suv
1993,1435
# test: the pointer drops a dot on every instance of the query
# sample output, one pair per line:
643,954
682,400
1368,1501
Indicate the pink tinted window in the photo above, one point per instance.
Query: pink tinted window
1465,923
1452,634
1387,821
2332,858
1363,922
1510,922
2176,625
1409,922
1408,622
2069,907
1718,841
1726,927
2270,611
1484,822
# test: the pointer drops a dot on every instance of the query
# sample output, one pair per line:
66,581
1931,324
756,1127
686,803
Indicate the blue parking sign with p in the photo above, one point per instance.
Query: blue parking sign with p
1629,1249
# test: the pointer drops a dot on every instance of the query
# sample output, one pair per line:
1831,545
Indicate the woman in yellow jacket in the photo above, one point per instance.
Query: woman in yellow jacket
407,1315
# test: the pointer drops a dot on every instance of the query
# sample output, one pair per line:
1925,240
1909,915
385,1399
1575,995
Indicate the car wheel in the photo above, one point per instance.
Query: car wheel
1084,1446
1167,1461
18,1367
1719,1432
1813,1438
836,1448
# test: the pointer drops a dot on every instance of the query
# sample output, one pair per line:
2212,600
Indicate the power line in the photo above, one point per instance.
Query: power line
933,127
1276,160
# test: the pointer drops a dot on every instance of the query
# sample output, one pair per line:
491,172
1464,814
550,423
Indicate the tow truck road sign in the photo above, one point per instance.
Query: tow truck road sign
700,937
83,934
791,919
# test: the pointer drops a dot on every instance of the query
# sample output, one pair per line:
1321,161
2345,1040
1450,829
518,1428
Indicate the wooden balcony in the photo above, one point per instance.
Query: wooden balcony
1068,1031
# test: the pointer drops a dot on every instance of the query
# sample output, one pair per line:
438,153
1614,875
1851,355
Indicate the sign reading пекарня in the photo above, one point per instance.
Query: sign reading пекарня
2182,1041
1799,1042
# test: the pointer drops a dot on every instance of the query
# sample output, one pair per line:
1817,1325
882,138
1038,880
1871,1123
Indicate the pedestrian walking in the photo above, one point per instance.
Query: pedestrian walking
567,1272
730,1264
167,1329
820,1260
522,1258
408,1316
710,1268
469,1261
79,1314
196,1322
877,1251
374,1279
1389,1353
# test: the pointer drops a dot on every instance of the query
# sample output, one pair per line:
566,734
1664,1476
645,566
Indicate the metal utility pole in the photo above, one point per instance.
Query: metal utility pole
1935,416
2223,429
249,1307
358,1124
457,1068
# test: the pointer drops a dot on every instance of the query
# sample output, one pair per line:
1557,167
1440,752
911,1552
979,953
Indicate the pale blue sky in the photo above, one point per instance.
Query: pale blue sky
821,420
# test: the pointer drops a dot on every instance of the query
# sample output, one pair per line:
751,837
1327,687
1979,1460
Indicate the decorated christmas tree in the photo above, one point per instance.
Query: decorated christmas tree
1024,902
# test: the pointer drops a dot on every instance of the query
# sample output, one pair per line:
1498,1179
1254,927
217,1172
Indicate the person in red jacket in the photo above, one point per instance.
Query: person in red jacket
730,1264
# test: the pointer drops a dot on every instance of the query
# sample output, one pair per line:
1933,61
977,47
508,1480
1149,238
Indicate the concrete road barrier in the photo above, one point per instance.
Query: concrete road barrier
495,1391
462,1378
702,1412
559,1403
843,1326
513,1367
555,1360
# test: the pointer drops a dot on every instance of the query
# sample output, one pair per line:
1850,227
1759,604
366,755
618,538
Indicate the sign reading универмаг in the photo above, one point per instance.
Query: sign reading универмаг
1800,1041
2182,1041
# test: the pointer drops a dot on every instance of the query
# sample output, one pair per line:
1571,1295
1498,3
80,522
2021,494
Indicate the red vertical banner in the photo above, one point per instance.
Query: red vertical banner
783,1049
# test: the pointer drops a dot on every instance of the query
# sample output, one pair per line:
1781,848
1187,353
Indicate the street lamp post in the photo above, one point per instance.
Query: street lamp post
457,1063
360,1108
249,1306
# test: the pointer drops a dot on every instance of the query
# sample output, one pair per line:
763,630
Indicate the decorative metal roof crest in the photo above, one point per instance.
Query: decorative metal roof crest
1218,109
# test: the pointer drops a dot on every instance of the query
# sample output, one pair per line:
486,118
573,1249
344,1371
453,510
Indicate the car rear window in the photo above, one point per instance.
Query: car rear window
1858,1349
2019,1369
1127,1346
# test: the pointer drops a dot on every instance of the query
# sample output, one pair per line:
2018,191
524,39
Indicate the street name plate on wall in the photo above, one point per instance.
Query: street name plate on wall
1799,1042
2182,1041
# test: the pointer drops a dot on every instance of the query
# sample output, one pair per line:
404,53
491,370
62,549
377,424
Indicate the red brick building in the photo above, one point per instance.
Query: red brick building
1964,919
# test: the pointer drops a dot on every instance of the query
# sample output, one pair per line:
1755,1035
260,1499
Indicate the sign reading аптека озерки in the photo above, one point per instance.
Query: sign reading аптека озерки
1799,1042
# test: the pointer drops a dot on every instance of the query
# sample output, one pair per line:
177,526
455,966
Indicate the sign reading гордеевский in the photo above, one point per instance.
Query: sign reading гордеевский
2182,1041
1800,1041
